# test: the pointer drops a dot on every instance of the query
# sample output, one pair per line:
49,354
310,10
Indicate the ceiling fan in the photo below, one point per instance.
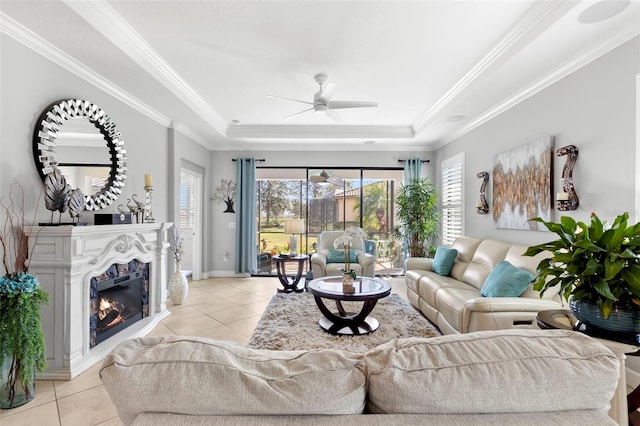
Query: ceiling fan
322,102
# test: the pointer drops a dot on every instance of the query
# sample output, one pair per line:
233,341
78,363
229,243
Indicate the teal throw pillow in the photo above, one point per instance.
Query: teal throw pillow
443,260
337,256
506,281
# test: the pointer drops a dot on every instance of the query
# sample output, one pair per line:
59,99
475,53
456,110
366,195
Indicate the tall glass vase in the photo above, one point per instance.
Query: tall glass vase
14,391
178,287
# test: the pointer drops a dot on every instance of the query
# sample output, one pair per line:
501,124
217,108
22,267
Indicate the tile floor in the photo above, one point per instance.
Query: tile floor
217,308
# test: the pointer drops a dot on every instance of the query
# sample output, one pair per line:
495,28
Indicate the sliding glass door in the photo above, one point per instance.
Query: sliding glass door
325,199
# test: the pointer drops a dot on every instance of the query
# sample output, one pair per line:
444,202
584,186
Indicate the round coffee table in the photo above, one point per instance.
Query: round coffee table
367,290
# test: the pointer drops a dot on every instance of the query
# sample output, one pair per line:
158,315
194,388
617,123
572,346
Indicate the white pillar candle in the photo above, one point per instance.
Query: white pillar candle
148,180
562,196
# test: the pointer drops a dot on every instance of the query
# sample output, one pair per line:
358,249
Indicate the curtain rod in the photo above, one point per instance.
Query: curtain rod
258,160
422,161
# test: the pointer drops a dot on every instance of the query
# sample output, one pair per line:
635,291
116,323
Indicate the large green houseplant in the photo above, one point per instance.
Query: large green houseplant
22,345
418,215
595,263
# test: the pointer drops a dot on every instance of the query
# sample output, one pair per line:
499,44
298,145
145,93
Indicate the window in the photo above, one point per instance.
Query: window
355,196
186,201
452,196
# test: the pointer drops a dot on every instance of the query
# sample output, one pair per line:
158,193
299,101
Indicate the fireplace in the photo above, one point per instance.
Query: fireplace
119,298
70,261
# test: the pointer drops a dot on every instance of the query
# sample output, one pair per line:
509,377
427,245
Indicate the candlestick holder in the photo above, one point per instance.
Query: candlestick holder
148,205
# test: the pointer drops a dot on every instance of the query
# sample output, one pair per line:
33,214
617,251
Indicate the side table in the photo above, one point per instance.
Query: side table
290,283
565,320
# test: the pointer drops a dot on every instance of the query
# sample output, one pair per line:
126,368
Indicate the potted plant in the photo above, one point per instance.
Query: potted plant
418,215
344,240
597,267
22,346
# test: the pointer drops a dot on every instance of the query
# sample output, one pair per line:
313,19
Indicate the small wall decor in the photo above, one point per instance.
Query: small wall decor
225,192
522,179
482,207
568,199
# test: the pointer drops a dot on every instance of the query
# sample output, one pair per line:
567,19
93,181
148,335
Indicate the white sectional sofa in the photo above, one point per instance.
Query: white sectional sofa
508,377
454,302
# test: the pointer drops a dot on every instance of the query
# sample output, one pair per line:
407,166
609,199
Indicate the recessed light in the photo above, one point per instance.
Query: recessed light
602,10
456,118
235,121
369,142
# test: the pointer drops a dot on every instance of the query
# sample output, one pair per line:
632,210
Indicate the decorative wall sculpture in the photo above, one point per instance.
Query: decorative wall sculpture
568,199
482,207
522,185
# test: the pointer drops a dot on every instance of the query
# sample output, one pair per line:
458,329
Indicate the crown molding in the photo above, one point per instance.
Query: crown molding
329,145
101,16
537,18
625,34
252,131
43,47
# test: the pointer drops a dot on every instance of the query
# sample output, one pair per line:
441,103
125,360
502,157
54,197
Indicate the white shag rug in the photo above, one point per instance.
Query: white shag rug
290,322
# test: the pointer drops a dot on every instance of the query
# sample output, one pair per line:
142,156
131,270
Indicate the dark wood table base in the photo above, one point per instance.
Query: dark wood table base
348,322
290,283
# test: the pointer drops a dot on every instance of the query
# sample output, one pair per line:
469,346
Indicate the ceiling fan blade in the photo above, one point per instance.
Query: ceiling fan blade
326,93
351,104
289,99
334,116
298,113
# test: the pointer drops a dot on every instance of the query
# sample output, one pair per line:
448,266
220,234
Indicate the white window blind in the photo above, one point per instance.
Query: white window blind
452,196
187,214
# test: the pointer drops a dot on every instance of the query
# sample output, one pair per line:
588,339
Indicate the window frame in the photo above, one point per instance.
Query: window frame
455,161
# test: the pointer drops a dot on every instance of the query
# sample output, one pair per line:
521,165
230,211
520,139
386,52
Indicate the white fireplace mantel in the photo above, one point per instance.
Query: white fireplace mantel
64,259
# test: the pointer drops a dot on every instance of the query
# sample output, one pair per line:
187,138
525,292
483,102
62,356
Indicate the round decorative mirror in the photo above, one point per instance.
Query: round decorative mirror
81,140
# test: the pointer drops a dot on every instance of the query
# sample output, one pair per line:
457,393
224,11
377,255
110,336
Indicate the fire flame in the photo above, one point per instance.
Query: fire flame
106,308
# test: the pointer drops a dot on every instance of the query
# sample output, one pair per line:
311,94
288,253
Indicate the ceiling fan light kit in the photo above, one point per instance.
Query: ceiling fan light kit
322,103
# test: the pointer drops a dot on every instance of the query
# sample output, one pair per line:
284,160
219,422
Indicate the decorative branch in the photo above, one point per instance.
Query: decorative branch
15,232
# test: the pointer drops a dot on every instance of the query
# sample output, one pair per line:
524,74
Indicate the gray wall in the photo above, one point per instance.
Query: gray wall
29,84
595,109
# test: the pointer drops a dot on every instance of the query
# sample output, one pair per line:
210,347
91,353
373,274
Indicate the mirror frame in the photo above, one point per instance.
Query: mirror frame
44,146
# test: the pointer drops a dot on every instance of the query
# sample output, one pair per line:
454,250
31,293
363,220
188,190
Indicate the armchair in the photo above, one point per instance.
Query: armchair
365,265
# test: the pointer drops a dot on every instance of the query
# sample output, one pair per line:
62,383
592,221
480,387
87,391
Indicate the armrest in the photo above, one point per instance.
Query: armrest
421,263
509,304
498,313
319,259
366,259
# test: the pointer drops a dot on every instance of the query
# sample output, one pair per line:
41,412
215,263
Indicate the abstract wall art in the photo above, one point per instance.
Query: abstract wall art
522,185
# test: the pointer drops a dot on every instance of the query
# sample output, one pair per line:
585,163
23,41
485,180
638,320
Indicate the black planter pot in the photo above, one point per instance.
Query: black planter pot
619,321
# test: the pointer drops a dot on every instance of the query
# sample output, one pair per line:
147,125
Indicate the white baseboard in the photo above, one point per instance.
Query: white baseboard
223,274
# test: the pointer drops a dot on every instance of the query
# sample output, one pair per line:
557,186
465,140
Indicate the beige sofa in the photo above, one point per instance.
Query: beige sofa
515,377
454,302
